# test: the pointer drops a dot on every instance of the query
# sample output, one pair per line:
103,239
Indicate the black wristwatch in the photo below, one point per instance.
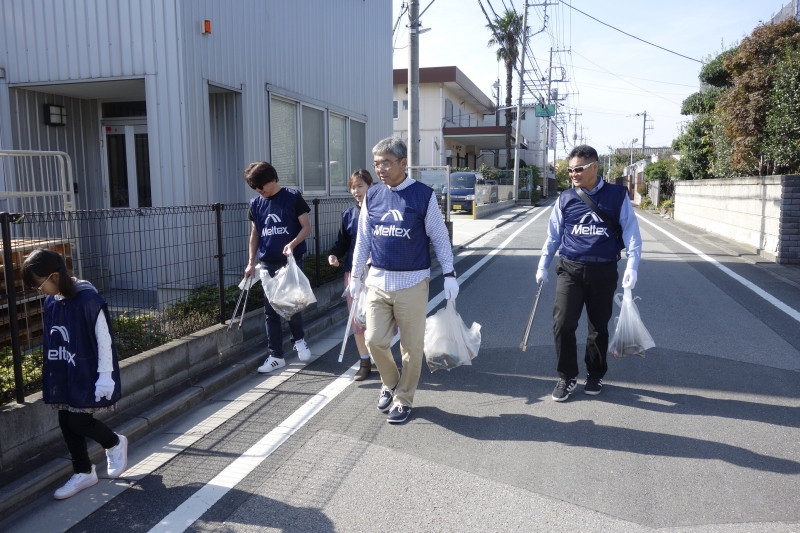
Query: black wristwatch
450,274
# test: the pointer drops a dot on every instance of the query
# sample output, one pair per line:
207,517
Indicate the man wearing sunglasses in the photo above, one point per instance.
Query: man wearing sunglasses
589,243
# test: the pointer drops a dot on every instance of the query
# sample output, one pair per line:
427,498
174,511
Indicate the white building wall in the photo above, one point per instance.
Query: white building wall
338,59
331,53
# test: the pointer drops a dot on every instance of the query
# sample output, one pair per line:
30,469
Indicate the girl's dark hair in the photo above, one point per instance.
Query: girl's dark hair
40,264
362,175
259,174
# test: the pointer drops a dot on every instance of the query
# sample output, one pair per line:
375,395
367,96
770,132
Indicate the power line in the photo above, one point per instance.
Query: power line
628,34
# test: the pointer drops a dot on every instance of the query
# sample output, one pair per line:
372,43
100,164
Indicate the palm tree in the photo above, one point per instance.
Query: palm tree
507,36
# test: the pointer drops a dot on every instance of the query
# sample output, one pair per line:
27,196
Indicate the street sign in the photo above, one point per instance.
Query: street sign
546,110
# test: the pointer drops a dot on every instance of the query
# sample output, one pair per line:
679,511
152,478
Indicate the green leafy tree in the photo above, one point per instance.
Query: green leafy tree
506,36
754,67
782,129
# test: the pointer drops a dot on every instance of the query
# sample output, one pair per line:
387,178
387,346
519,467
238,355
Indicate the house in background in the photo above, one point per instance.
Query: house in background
165,102
453,130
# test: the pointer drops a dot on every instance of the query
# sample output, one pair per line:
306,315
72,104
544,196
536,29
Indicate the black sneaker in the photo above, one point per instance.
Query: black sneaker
385,399
398,414
593,386
564,388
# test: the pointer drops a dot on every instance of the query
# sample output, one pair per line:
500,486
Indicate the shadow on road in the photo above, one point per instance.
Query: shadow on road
588,434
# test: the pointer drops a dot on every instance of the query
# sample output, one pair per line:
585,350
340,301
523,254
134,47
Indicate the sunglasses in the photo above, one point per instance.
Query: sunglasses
579,169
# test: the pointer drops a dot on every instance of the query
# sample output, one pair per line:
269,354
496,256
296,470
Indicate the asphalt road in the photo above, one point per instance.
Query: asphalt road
702,435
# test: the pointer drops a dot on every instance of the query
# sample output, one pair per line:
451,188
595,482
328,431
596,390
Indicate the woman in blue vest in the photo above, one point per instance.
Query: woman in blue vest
81,370
359,183
589,249
280,225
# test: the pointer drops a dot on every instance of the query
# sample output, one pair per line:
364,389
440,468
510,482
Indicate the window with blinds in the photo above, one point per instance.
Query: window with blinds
337,151
358,146
283,130
313,149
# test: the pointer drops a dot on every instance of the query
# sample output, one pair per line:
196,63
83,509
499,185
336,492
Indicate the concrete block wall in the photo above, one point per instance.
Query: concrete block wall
789,243
747,210
29,428
484,210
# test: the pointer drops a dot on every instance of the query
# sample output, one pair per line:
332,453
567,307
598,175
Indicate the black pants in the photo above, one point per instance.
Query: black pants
76,427
580,284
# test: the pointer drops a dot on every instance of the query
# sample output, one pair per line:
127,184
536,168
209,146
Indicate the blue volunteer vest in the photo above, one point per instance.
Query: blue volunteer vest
70,351
277,225
350,225
586,237
397,223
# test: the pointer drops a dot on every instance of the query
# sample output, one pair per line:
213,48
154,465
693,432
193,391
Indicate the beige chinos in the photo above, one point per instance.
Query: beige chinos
408,308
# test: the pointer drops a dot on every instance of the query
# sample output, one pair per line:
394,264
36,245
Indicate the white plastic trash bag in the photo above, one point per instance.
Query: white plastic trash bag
289,292
448,341
630,337
360,315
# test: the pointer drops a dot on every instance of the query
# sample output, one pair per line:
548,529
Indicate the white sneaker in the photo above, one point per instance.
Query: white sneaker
118,457
76,483
272,363
302,350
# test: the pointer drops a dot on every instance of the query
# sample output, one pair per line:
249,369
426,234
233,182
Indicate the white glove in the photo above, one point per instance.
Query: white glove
629,279
541,276
450,288
104,388
354,287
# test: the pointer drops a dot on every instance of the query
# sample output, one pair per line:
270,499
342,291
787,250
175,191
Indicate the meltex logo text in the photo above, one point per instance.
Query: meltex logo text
581,228
267,231
392,231
62,354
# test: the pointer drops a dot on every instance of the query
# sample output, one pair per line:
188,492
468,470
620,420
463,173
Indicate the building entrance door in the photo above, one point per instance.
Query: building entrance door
127,166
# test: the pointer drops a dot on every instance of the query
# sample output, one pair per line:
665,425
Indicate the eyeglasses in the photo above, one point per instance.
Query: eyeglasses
578,170
39,288
383,165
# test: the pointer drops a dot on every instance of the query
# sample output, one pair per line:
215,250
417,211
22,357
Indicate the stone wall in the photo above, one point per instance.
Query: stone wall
789,225
747,210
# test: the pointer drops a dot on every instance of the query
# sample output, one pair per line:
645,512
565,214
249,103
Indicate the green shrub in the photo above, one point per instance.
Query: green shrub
646,203
31,371
137,334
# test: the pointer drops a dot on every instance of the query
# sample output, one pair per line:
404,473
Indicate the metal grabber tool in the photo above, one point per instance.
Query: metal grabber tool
349,323
524,343
244,291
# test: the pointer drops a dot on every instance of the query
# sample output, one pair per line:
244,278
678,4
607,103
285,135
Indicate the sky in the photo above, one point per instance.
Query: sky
611,76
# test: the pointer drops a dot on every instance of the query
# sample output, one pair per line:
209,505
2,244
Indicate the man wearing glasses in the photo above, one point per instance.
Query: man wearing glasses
589,245
399,219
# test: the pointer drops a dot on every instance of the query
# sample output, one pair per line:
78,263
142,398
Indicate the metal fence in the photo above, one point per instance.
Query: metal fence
164,272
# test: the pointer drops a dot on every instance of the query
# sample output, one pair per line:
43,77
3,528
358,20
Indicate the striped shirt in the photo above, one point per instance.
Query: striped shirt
391,280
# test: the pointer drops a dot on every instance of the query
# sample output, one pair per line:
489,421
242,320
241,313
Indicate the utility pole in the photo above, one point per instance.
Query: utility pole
413,83
519,100
644,130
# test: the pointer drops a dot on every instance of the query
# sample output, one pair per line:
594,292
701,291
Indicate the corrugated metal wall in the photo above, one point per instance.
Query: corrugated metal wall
78,138
334,53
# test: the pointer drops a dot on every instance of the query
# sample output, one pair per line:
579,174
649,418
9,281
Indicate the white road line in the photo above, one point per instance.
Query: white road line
201,501
747,283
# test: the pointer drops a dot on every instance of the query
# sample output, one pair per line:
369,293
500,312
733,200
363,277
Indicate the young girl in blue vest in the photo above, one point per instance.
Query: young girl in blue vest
81,369
359,182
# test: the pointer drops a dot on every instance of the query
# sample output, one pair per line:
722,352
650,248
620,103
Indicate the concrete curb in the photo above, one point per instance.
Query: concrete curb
49,476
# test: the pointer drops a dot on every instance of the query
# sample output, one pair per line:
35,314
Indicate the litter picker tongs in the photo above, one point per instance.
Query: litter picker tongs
524,343
349,323
244,287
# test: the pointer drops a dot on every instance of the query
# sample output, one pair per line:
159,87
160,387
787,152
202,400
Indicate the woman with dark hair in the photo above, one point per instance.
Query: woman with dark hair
81,370
359,182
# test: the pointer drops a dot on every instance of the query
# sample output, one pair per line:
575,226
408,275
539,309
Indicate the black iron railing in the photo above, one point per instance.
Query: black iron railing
164,272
